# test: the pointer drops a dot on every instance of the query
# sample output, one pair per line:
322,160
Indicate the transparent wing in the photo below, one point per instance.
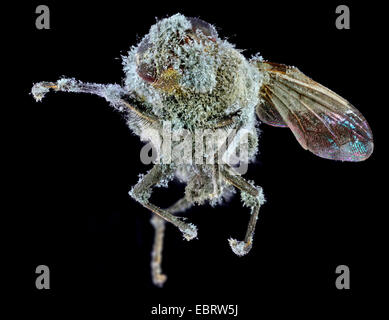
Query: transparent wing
322,121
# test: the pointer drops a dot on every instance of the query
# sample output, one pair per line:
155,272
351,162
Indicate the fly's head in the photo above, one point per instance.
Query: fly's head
168,54
188,74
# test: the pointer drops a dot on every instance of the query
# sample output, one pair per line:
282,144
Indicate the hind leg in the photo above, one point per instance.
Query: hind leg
156,254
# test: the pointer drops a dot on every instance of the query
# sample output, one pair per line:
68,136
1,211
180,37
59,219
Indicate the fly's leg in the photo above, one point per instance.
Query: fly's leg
180,206
141,192
253,198
156,255
113,93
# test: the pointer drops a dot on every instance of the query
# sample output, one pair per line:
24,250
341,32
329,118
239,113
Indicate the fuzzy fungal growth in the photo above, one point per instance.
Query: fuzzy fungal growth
240,248
188,75
251,201
189,232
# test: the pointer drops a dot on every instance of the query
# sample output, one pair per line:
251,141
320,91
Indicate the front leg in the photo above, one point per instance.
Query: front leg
141,192
113,93
253,198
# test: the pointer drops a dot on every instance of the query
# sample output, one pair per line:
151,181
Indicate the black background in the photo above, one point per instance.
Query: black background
76,161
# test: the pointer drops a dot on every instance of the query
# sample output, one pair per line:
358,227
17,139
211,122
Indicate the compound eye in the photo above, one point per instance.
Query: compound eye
146,71
206,28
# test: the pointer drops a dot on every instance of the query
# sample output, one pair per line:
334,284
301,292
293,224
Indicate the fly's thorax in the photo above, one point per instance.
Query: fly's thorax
236,88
